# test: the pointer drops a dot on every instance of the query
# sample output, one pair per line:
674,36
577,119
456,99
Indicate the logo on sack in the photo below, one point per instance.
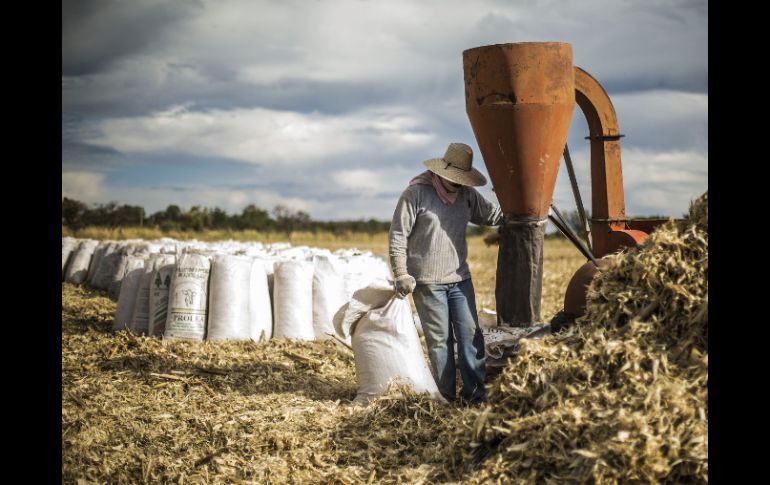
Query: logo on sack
189,297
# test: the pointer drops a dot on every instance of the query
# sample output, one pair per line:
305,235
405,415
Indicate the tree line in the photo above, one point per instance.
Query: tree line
77,215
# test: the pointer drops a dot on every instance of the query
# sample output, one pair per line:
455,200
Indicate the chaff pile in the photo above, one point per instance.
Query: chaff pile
623,396
138,409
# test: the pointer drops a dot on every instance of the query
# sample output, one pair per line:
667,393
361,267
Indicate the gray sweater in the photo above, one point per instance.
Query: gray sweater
427,237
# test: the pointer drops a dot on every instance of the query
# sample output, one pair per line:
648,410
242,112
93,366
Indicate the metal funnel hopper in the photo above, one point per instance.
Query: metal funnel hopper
520,99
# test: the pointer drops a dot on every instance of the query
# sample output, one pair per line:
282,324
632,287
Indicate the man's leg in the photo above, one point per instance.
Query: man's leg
470,340
431,303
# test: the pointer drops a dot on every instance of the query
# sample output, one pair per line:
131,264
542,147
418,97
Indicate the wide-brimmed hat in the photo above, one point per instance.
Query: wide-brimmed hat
456,166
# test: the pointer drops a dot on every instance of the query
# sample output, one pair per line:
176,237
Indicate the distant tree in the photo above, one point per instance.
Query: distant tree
195,219
288,221
252,217
173,213
220,219
72,213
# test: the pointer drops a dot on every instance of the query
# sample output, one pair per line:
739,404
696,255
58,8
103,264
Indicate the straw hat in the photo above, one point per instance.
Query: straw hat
456,166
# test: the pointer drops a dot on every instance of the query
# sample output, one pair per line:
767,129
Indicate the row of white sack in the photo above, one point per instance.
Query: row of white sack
172,246
379,327
103,264
227,297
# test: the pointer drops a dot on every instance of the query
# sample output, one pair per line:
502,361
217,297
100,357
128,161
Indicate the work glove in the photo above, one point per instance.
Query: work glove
404,285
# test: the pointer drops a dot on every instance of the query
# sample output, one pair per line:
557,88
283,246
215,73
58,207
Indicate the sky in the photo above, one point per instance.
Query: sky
330,107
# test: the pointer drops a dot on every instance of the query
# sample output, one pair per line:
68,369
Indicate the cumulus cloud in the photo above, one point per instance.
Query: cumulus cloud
154,199
654,182
264,136
244,49
375,182
336,103
83,186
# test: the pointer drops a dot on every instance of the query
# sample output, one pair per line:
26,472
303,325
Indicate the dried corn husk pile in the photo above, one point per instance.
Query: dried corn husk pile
139,409
616,399
622,397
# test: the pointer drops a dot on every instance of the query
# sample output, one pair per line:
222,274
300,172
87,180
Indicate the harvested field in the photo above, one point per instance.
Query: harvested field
607,402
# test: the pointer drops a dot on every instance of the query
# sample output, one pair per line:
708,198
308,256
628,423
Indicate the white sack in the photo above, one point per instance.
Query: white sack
125,265
80,260
293,300
128,289
68,245
328,293
97,273
161,282
262,310
140,316
95,260
387,349
239,304
188,298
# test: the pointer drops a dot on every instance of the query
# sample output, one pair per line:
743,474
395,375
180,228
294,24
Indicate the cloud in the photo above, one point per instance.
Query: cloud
663,119
83,186
262,53
264,136
97,33
92,189
369,182
332,105
654,182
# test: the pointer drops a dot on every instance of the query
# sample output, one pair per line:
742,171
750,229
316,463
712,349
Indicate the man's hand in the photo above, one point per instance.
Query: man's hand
404,285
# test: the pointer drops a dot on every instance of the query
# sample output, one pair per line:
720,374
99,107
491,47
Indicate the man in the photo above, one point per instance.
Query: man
428,254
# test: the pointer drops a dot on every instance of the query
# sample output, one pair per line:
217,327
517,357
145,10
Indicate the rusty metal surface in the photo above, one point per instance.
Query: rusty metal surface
520,99
575,296
607,196
645,225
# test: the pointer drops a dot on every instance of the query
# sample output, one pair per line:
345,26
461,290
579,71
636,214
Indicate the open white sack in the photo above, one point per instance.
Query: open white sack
386,346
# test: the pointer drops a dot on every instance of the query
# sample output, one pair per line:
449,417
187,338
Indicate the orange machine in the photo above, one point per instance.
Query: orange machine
520,98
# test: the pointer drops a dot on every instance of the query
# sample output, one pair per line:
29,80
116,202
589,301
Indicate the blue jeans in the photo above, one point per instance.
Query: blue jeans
448,315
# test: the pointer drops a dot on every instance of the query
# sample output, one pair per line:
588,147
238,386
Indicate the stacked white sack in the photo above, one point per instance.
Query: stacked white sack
293,300
239,303
128,290
161,282
328,293
95,260
68,245
80,260
361,269
386,346
104,264
111,266
127,263
188,298
140,319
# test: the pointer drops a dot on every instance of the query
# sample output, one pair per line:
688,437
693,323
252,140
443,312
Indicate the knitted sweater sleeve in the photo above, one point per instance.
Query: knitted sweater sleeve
400,227
484,212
